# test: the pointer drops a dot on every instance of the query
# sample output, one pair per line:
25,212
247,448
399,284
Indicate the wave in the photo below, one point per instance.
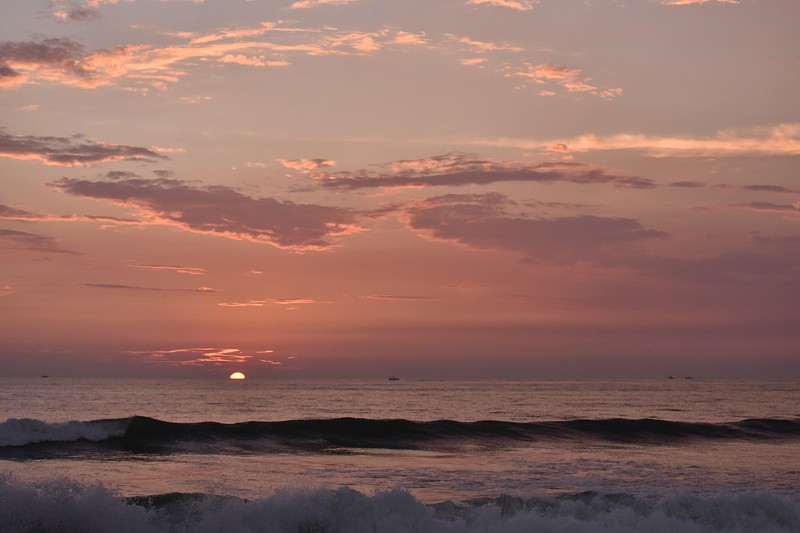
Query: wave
139,434
22,431
64,505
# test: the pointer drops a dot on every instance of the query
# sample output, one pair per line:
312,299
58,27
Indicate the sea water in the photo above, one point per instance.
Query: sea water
313,456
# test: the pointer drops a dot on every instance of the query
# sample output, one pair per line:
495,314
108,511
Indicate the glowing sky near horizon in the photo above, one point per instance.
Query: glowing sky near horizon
449,188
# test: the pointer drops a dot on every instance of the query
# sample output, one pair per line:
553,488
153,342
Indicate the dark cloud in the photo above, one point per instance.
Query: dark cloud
8,72
120,175
70,151
763,260
465,169
64,55
223,211
484,221
748,188
32,241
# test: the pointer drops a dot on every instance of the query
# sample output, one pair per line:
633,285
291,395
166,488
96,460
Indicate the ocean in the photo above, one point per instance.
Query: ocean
678,455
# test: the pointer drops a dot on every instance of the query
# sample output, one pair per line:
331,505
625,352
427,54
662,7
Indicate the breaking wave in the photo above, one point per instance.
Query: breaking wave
23,437
64,505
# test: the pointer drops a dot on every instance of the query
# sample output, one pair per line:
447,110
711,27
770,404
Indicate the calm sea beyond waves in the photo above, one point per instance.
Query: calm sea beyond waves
393,456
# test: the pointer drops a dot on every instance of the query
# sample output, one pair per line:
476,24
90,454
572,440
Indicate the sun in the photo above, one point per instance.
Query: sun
237,375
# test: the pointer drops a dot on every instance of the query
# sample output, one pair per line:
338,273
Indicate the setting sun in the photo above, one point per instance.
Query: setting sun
237,375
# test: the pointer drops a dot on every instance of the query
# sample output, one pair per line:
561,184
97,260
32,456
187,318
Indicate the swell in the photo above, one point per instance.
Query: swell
138,434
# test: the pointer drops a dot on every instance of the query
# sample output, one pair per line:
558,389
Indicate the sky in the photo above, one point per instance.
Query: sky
431,189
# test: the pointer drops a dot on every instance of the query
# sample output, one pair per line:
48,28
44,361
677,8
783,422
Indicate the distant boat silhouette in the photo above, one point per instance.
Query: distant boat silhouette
394,378
670,377
45,376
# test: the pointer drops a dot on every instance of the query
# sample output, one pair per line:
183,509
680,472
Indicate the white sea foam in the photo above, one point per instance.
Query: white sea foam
22,431
63,505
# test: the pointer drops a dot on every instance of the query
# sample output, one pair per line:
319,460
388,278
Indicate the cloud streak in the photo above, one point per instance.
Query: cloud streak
222,211
789,211
693,2
465,169
32,241
203,356
116,286
191,271
781,139
76,150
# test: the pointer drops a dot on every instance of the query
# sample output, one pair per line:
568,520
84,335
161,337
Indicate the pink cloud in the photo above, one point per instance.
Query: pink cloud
306,164
570,78
690,2
252,61
486,46
143,67
518,5
783,139
465,169
222,211
306,4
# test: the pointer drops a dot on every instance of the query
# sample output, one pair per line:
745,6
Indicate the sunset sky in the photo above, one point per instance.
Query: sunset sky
427,188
